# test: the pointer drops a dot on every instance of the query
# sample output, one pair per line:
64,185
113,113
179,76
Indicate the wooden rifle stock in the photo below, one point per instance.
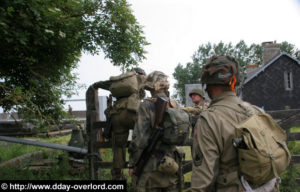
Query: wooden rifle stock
160,108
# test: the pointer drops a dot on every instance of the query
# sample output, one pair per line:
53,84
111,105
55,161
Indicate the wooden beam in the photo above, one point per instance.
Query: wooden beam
295,159
187,166
293,136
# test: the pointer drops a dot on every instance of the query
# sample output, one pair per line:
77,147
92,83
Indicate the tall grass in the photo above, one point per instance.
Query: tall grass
60,167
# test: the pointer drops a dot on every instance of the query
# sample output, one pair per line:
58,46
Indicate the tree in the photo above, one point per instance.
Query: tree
244,54
41,43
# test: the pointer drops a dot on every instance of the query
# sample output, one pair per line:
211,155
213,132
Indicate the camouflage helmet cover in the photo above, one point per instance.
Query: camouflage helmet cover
198,92
156,80
220,70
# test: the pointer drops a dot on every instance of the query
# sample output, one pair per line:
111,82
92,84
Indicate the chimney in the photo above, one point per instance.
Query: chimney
270,50
251,69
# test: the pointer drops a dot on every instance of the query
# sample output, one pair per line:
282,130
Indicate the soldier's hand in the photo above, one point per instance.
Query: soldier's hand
130,172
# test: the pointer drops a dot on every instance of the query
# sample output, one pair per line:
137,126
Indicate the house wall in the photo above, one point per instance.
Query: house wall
268,88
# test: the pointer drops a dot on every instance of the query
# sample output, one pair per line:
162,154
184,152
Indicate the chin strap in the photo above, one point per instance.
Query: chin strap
232,83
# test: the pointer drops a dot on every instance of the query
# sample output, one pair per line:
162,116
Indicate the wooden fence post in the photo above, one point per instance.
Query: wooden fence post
92,116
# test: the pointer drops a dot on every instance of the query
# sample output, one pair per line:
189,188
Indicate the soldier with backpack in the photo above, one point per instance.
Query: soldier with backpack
155,161
237,146
128,90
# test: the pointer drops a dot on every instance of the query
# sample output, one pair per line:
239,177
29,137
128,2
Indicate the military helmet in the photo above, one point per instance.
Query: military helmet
139,70
198,92
220,69
156,80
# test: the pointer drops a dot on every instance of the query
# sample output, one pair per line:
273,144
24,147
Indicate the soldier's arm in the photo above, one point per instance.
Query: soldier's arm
102,84
140,134
205,157
192,110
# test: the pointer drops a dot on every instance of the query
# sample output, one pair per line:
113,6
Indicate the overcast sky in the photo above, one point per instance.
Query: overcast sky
176,28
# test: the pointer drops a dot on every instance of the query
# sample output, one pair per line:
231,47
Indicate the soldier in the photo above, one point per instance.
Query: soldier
121,116
215,160
151,179
197,96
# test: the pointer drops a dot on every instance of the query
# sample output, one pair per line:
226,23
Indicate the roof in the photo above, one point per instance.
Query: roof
262,69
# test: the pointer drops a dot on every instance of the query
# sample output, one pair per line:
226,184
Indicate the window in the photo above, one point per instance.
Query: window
288,80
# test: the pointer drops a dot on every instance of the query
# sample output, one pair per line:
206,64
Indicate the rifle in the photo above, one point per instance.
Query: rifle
157,131
108,126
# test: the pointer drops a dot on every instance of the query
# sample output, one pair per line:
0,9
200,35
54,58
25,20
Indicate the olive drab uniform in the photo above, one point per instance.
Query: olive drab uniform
123,116
213,152
151,178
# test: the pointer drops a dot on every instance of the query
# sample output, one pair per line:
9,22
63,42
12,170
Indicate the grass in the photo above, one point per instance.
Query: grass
294,146
12,150
60,167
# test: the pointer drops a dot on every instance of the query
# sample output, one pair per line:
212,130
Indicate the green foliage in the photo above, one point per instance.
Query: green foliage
41,43
288,182
244,54
59,171
186,75
290,49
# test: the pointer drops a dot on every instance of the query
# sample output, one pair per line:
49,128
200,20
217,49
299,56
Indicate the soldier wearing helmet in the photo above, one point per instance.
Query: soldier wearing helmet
215,159
152,178
121,114
197,96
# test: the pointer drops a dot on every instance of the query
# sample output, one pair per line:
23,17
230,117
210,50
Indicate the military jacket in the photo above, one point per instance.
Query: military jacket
141,134
215,162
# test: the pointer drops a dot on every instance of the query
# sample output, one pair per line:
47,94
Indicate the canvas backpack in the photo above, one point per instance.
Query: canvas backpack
124,85
176,126
262,153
